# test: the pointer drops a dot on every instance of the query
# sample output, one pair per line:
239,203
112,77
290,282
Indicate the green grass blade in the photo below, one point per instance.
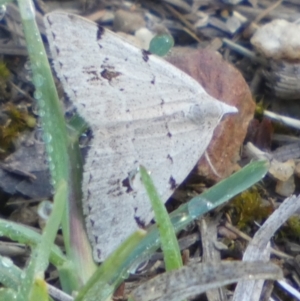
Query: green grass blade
32,283
55,137
39,291
50,230
60,149
111,273
10,274
22,234
5,2
50,109
219,194
8,294
168,239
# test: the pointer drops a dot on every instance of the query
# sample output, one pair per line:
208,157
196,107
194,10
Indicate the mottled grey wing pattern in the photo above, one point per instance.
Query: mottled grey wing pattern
141,110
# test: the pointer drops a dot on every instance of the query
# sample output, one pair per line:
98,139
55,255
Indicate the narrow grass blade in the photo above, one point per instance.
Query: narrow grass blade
39,291
8,294
4,2
22,234
60,149
50,230
34,273
55,135
50,109
10,274
168,239
111,273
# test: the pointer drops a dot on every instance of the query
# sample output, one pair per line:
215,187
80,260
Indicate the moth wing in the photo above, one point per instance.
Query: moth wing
141,110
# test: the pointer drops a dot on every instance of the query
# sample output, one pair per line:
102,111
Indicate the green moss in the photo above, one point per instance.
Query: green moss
247,208
293,223
4,72
259,109
4,76
291,229
16,121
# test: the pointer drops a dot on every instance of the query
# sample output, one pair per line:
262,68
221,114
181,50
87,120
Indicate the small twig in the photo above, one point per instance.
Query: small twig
27,95
266,11
248,238
244,51
178,15
191,34
288,121
15,170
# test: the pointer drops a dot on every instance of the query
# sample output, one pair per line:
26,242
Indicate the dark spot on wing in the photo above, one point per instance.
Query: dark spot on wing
105,65
172,183
72,17
162,102
170,158
129,181
126,183
100,32
92,222
88,196
99,253
169,135
93,75
146,54
49,20
115,188
153,80
115,191
90,177
139,222
109,75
